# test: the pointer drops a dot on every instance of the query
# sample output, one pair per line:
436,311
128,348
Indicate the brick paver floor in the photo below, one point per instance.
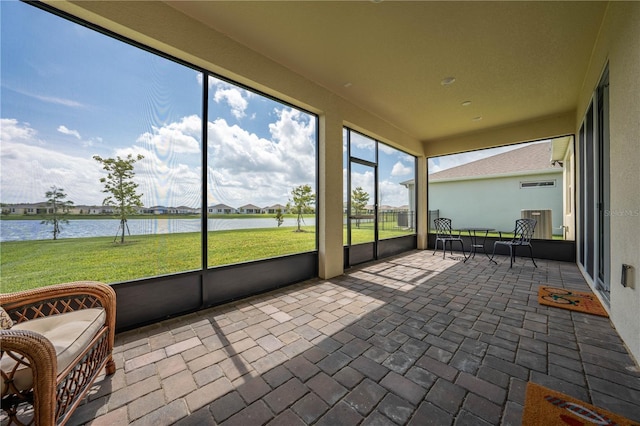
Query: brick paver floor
413,339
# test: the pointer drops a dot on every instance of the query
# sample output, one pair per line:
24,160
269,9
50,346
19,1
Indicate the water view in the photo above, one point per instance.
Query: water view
23,230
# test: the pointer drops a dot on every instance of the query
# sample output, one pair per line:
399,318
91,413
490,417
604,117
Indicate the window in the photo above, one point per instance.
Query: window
83,93
68,98
537,184
259,151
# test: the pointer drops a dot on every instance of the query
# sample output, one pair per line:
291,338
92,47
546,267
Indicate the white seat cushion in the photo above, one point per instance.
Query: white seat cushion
69,333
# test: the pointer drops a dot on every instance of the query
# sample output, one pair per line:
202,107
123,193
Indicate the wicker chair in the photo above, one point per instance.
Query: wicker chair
61,339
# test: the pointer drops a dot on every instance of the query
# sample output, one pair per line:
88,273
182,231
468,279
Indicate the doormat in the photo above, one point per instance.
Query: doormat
546,407
580,301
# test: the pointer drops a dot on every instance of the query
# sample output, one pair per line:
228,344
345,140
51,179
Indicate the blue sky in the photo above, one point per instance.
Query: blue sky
68,93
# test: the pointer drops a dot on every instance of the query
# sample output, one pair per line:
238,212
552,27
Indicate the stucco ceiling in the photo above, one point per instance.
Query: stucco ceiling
514,61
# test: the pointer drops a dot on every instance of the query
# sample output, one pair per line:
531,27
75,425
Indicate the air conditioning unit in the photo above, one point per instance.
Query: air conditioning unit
544,224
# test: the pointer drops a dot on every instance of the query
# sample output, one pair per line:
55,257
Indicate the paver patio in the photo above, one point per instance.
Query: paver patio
413,339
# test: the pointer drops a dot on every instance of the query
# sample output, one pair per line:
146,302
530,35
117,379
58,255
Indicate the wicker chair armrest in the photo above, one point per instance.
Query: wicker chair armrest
105,293
45,301
41,356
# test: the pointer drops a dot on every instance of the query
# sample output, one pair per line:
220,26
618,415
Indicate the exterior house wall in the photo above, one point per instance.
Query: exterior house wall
495,202
220,209
569,178
618,45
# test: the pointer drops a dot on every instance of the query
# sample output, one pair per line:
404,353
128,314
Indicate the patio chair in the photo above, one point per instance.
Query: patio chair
55,342
444,234
522,235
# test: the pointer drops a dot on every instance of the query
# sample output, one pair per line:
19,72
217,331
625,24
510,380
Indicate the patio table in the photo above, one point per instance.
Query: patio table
474,234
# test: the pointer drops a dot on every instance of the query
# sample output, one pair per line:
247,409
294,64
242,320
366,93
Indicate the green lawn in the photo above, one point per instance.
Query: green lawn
31,264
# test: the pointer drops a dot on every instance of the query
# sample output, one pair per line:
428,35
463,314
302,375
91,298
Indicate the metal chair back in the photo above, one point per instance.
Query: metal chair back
524,231
444,234
443,227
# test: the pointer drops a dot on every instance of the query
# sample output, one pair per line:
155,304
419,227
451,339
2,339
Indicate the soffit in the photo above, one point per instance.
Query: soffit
515,61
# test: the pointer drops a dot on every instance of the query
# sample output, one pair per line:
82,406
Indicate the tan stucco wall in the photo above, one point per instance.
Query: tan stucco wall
619,43
159,26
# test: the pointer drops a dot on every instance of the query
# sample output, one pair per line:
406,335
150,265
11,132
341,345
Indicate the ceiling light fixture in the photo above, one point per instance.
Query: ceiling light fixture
466,103
348,84
447,81
478,118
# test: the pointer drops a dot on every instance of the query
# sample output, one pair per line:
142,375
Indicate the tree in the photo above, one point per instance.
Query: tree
119,183
57,208
279,217
359,200
302,199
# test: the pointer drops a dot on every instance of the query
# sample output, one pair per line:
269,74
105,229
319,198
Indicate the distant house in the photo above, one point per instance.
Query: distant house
274,209
185,210
386,208
95,210
220,209
497,190
25,209
250,209
157,210
86,209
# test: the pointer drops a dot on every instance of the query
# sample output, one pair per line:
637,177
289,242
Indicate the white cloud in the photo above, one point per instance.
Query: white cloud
386,149
11,130
29,171
92,142
250,169
393,194
181,137
244,168
233,97
400,169
169,174
64,130
49,99
363,180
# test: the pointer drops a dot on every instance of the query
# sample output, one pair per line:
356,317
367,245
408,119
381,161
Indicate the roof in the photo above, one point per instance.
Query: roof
533,158
250,207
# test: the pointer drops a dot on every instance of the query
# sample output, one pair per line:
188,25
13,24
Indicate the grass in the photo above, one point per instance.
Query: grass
226,247
31,264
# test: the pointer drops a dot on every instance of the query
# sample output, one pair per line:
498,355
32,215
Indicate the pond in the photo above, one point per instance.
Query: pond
23,230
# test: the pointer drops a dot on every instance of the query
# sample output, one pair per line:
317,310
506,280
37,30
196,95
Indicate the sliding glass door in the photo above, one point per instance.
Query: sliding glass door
595,215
